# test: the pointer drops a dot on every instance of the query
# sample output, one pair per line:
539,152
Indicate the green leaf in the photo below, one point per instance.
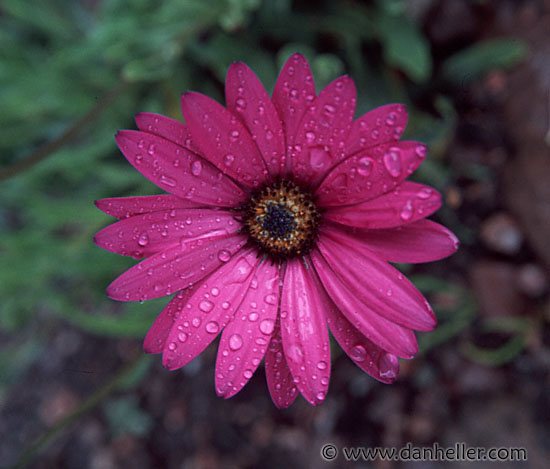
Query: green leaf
472,63
404,46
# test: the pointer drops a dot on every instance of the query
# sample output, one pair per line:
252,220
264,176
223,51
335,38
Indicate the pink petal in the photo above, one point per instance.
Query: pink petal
420,241
279,379
178,170
169,129
174,269
145,235
304,331
223,139
407,203
320,140
155,340
370,173
365,354
209,309
386,334
375,282
246,97
245,339
381,125
293,93
125,207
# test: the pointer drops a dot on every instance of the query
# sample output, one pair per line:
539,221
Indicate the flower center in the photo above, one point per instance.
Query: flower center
282,220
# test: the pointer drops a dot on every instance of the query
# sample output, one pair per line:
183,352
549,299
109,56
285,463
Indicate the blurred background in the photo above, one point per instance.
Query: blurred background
76,391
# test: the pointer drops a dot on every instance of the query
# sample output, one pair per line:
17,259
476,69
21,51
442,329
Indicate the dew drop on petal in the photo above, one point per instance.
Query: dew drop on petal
270,299
241,104
228,160
224,255
391,118
358,353
253,316
167,180
424,193
320,395
319,159
143,240
392,161
365,166
387,365
235,342
182,337
212,327
421,151
248,374
322,365
266,326
406,212
206,306
196,168
172,346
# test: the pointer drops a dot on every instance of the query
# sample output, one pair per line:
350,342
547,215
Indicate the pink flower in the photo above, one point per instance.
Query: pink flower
281,218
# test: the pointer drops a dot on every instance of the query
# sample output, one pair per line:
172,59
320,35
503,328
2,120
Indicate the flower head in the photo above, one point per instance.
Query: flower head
281,216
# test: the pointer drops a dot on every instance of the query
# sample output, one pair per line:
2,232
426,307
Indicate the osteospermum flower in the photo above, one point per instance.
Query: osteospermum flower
281,218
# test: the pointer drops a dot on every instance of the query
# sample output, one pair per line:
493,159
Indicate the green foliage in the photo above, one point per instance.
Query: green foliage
471,63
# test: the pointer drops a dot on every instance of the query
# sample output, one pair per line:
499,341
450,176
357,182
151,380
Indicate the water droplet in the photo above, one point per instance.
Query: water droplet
248,374
421,151
212,327
234,135
143,240
295,353
206,306
319,158
235,342
139,158
241,104
322,365
392,161
226,305
151,149
374,134
365,166
321,395
196,322
269,135
267,326
329,109
388,366
224,255
310,137
407,211
271,299
424,193
228,160
253,316
167,180
196,168
215,291
182,337
391,118
172,346
358,353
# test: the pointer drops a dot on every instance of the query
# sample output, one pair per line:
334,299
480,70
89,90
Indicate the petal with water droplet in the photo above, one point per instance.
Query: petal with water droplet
387,291
420,241
304,330
158,167
364,353
212,321
326,123
173,269
385,333
247,98
242,338
125,207
145,235
381,125
387,210
222,134
392,163
281,386
294,91
169,129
